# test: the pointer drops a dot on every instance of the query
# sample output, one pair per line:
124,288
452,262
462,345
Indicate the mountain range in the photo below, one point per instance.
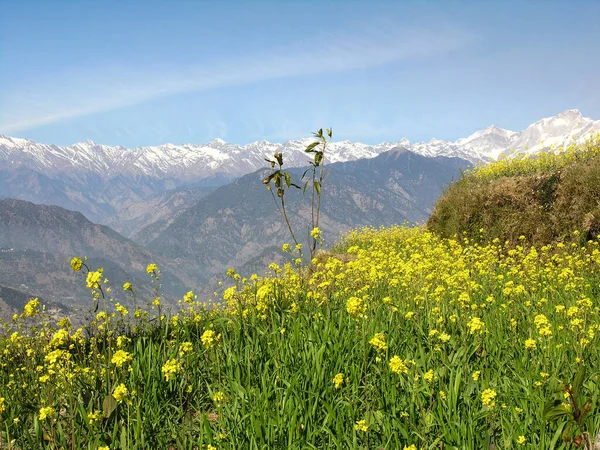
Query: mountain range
122,187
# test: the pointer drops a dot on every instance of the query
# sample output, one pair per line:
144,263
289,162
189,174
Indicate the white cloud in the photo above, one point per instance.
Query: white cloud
97,89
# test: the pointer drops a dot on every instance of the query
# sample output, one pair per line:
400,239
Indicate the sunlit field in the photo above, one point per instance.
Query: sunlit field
396,339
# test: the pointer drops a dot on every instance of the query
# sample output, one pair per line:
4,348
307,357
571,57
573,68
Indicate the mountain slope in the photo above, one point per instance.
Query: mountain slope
235,223
38,242
13,300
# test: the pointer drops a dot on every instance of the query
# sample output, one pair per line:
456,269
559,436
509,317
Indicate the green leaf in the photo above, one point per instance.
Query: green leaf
557,436
109,405
317,187
305,172
124,437
329,132
554,410
310,147
578,381
279,192
318,158
288,179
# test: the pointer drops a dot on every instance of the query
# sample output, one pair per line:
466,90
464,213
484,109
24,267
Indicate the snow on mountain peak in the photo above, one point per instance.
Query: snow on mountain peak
192,162
571,113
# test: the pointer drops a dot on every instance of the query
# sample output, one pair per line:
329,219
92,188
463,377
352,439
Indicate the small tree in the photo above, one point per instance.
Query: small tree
280,180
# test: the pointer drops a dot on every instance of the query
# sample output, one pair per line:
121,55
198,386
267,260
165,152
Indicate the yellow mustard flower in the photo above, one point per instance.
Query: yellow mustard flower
76,264
488,397
120,392
32,307
46,412
361,425
170,368
338,380
121,357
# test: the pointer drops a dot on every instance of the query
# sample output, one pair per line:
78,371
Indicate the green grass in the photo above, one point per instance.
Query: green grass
281,340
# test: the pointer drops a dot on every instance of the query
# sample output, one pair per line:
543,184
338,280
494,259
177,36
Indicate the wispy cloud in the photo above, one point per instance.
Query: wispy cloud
97,89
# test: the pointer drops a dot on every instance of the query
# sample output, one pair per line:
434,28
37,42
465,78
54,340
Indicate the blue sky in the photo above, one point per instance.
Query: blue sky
146,73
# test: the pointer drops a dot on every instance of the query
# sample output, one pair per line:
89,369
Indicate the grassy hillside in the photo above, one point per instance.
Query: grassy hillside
400,340
543,198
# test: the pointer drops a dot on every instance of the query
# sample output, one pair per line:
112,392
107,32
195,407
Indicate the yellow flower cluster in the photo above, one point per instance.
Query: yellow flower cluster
210,338
476,325
184,348
219,398
530,343
170,368
121,357
120,392
94,278
338,380
189,297
488,398
32,307
361,425
46,412
95,416
398,366
356,307
378,341
76,264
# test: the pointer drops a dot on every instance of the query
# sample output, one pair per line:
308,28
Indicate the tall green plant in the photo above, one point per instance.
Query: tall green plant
280,180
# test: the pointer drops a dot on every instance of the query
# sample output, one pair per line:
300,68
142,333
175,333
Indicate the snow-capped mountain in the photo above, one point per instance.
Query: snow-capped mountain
185,163
103,181
492,142
189,163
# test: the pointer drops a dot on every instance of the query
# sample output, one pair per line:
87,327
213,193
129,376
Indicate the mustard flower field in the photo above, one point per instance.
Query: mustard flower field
397,339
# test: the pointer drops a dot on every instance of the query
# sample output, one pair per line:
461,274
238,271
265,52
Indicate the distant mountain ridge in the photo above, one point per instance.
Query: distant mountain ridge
193,162
234,224
130,189
37,243
12,302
